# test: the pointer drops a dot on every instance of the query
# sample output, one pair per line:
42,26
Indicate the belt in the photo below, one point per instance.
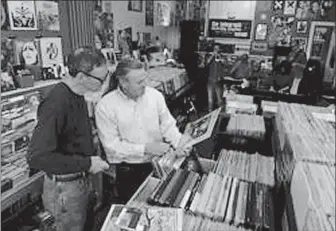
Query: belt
67,177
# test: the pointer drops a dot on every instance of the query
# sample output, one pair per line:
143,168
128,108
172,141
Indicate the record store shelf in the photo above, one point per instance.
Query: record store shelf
34,184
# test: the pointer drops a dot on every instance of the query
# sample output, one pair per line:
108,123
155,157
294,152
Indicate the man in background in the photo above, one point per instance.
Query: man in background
135,126
214,85
62,142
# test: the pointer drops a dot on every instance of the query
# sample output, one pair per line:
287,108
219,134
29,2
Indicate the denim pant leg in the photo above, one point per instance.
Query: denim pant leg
219,94
67,201
210,89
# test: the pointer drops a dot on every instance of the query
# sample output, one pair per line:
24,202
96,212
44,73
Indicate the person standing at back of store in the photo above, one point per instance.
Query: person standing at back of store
298,60
135,125
214,85
62,142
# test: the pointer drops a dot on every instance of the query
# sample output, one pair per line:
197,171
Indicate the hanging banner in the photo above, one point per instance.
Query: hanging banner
222,28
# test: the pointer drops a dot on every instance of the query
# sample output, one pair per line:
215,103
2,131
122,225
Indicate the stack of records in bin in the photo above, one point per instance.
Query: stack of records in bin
243,104
162,166
249,126
244,166
194,223
313,198
225,199
302,137
269,108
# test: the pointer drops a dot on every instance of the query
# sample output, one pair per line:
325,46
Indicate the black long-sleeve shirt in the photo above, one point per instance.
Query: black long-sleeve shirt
62,141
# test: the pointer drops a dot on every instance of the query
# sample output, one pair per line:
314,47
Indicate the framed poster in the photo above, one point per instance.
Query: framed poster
261,32
223,28
202,128
319,40
303,10
48,15
7,53
162,13
4,16
149,14
135,5
301,27
51,51
22,15
27,52
290,7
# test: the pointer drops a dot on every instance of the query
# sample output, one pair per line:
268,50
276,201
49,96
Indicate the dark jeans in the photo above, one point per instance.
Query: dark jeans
129,178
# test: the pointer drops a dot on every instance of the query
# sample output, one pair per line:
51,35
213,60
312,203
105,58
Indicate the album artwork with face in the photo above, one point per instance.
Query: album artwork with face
27,52
51,51
202,128
48,15
22,15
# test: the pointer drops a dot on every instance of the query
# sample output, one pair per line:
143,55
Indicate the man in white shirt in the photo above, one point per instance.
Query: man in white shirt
134,125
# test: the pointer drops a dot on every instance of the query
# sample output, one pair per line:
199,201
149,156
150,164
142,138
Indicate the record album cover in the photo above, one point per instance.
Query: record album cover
27,52
51,51
22,15
48,15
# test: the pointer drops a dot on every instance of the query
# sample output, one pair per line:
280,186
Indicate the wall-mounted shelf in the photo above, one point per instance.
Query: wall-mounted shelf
37,85
32,186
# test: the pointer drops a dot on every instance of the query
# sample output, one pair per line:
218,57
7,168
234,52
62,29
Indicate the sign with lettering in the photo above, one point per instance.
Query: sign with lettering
223,28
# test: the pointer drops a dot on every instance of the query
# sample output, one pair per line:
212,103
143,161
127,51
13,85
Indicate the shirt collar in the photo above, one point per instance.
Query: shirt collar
124,96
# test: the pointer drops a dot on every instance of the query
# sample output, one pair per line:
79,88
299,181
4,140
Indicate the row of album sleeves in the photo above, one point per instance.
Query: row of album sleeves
313,196
194,223
244,166
225,199
252,126
163,165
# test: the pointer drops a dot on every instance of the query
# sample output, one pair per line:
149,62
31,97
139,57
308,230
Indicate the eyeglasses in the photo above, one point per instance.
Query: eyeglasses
96,78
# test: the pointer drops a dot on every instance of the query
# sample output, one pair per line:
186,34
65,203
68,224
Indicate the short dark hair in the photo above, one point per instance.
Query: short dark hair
84,59
125,65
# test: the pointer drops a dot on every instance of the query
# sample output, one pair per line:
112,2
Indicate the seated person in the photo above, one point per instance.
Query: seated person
241,69
281,79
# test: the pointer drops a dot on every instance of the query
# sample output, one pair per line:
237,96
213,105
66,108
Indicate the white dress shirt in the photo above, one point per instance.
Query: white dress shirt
125,126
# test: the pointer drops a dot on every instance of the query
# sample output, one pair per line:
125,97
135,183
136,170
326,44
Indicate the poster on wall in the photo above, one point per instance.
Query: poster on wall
27,52
147,37
290,7
301,27
4,16
135,5
280,31
303,10
222,28
22,15
48,15
162,13
149,17
7,53
103,25
261,31
51,51
278,5
259,46
328,10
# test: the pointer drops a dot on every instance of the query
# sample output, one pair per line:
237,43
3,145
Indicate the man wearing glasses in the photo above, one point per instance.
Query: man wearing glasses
134,126
62,143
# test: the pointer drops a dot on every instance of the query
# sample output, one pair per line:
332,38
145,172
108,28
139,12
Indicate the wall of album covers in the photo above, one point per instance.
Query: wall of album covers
279,22
141,19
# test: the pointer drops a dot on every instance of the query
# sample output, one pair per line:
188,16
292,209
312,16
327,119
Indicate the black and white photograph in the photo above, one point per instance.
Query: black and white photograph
163,115
22,15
